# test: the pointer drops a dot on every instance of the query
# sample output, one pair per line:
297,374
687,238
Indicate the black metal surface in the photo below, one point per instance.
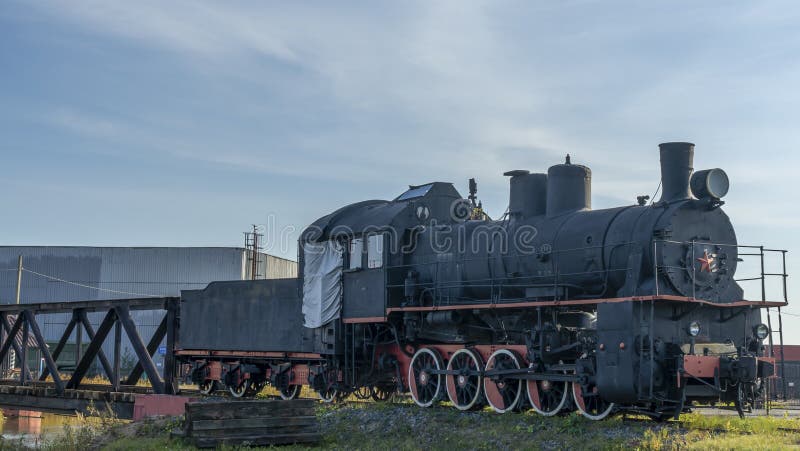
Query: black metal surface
62,342
101,355
23,375
92,350
366,294
142,353
569,188
151,303
170,369
11,341
676,167
527,193
261,315
115,378
152,347
710,183
45,352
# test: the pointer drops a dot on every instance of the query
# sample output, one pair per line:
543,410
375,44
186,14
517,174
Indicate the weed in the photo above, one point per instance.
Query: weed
80,435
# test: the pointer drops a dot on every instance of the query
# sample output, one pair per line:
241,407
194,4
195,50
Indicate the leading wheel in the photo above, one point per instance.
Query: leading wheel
591,405
424,377
502,392
548,397
290,392
464,387
240,390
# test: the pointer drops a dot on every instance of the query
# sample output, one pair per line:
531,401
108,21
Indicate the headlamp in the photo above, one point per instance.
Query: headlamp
693,329
761,331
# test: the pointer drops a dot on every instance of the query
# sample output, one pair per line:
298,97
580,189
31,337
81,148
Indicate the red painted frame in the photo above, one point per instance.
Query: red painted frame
743,303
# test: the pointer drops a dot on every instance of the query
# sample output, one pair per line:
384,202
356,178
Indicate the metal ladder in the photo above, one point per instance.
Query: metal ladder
784,276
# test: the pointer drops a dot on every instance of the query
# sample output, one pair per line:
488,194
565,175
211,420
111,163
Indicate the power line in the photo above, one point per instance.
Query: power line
89,286
790,314
138,282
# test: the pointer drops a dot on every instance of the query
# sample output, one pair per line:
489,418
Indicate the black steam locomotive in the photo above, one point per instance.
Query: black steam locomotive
554,305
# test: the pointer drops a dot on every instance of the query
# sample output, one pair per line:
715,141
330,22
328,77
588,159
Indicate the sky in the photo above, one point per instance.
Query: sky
182,123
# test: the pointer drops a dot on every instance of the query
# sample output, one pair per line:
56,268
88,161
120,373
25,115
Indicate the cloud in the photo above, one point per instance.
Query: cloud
86,124
432,90
181,26
448,89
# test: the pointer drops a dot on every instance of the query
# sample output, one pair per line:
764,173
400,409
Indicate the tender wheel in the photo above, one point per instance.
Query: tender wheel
240,390
326,385
254,389
426,387
328,395
503,394
383,393
464,388
591,406
363,393
548,397
290,392
208,386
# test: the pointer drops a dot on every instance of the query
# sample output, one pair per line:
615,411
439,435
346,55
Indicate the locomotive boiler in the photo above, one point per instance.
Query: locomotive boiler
553,245
554,305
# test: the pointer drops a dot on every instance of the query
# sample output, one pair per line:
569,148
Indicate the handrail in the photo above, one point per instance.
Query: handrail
442,287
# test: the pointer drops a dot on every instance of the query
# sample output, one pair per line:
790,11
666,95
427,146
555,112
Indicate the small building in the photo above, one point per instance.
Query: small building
791,370
68,273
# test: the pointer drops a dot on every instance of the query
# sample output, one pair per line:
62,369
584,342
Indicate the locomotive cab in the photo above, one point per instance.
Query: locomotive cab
367,241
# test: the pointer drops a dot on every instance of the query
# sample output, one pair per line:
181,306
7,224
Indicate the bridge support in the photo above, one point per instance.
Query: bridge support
21,319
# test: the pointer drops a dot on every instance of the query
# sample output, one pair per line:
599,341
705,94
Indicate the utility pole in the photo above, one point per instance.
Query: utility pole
19,277
12,356
253,245
254,269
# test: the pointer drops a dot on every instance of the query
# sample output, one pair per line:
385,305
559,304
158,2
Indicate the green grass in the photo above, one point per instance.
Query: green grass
404,426
407,427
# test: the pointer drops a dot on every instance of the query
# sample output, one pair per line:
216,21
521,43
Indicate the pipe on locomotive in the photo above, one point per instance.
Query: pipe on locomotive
678,182
677,159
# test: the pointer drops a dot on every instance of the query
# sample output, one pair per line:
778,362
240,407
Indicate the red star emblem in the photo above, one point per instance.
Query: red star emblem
706,261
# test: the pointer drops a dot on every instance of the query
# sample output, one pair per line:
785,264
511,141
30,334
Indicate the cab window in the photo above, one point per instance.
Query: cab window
375,251
356,252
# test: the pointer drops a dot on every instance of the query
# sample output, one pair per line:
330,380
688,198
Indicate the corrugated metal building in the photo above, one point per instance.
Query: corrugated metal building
91,273
791,355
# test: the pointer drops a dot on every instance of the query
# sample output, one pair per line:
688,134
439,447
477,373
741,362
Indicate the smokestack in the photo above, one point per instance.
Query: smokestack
676,169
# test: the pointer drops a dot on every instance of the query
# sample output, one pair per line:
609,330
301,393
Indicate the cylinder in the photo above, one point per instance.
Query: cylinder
569,188
449,318
676,169
527,194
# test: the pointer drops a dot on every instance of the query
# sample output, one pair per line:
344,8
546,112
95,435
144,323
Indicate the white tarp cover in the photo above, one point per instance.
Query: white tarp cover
322,282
